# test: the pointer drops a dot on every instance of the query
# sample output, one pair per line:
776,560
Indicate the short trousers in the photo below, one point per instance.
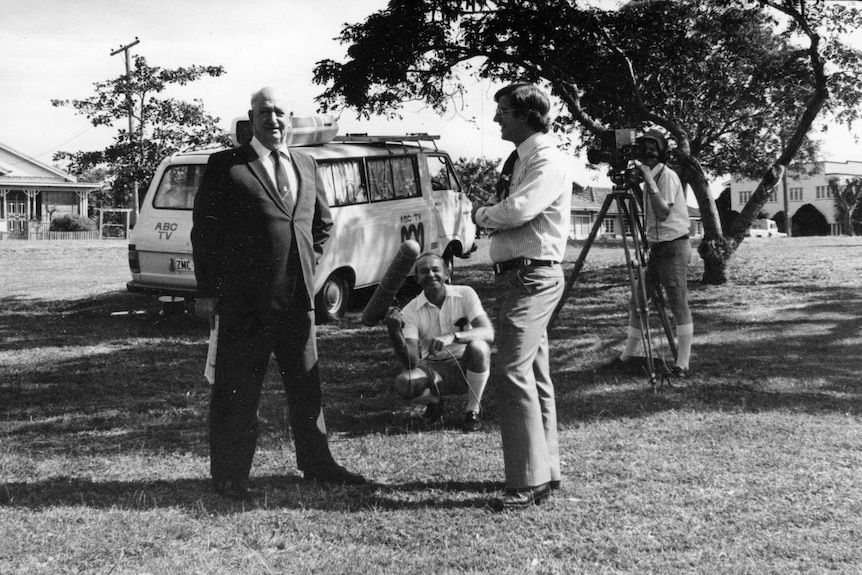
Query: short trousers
451,372
668,263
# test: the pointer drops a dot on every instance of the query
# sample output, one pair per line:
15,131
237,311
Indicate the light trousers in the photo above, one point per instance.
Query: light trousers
528,421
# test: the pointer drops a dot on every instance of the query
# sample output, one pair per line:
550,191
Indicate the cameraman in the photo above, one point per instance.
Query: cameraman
666,222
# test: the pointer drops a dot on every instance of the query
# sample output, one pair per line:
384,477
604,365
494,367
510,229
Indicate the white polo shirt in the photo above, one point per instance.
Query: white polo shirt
423,321
677,223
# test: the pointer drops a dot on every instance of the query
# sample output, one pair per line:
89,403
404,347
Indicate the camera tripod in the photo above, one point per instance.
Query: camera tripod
636,259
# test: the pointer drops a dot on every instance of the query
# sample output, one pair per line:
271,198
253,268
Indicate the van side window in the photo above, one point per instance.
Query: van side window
393,178
343,182
442,174
178,186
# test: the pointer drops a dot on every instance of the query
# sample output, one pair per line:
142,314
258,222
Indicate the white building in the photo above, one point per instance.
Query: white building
801,190
31,193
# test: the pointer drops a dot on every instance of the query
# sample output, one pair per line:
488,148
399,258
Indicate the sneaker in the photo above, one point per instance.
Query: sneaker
680,372
632,366
471,422
433,411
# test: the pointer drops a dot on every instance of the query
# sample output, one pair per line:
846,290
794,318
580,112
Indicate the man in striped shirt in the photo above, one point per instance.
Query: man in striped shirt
528,220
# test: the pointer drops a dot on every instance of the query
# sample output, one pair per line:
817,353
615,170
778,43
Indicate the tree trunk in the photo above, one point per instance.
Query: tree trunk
748,214
715,250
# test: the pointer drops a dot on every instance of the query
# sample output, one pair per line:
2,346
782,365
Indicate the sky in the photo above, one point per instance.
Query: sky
58,49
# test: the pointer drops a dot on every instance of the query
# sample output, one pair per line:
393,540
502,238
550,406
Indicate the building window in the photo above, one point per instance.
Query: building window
609,225
744,197
795,194
580,226
773,197
822,192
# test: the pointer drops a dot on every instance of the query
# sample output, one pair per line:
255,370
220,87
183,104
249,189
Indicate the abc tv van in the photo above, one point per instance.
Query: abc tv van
382,190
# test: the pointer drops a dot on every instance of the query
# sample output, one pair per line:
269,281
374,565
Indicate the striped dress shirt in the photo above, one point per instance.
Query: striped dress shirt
533,221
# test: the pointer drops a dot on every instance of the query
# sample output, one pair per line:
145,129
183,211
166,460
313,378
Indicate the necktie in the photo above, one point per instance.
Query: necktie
506,177
281,181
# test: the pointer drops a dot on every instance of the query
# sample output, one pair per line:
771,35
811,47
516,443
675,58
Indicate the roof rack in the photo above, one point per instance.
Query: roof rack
386,140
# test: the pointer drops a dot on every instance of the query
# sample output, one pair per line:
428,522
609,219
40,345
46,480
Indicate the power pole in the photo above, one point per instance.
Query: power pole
131,112
788,225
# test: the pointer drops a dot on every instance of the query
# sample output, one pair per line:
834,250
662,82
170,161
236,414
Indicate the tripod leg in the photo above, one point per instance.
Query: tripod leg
582,257
635,262
656,291
661,310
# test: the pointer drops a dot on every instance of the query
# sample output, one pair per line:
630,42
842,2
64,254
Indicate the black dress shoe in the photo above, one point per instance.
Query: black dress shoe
333,473
233,489
523,498
554,484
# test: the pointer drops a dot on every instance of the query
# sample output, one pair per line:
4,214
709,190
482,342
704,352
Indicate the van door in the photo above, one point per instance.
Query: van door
400,211
452,209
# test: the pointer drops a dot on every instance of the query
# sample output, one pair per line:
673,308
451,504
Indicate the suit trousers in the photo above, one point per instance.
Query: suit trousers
246,343
526,300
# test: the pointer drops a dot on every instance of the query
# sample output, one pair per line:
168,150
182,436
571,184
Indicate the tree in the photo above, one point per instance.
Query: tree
809,221
477,175
847,199
723,204
163,125
736,83
780,219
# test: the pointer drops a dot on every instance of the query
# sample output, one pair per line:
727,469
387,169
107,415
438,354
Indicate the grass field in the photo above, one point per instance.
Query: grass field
752,467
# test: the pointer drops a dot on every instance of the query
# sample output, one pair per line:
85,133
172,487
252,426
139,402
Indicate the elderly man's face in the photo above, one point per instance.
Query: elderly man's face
270,117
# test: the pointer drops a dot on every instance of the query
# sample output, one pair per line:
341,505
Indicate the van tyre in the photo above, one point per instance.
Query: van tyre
332,299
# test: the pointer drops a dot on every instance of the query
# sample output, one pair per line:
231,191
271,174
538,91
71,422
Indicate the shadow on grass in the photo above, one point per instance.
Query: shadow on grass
270,492
77,379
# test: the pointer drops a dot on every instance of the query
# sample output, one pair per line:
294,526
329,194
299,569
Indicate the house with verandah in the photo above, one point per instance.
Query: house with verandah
32,193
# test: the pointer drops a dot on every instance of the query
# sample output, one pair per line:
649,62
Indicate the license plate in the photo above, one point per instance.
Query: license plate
182,265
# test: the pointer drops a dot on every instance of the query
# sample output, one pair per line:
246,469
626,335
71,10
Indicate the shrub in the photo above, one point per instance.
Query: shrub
72,224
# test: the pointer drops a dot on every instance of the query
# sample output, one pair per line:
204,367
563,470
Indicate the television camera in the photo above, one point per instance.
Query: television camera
617,148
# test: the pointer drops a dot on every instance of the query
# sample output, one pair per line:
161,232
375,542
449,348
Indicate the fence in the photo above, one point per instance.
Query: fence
47,235
41,231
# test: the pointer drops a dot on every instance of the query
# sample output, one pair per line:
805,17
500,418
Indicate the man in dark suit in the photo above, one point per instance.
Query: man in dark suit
261,220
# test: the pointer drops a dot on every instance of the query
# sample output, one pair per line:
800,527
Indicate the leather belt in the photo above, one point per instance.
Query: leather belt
681,238
519,263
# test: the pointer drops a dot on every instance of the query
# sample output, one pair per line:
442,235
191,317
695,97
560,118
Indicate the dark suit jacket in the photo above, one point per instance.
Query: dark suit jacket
242,232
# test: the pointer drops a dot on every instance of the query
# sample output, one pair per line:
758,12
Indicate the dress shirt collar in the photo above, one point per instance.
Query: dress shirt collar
530,145
422,300
264,152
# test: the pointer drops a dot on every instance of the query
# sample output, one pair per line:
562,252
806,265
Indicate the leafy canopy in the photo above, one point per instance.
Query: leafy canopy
162,125
727,78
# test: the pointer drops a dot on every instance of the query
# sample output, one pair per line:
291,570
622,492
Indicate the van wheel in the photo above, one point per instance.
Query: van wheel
331,301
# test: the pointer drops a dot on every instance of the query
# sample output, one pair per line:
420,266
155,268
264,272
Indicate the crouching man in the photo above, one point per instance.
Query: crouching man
443,338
